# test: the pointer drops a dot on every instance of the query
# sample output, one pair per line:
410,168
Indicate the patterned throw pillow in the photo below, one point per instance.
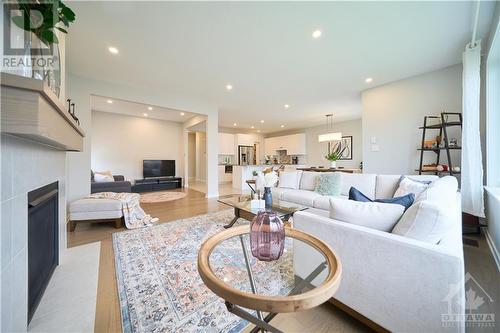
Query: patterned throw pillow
329,184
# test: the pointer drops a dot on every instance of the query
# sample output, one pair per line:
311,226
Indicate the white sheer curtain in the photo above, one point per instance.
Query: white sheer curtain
472,163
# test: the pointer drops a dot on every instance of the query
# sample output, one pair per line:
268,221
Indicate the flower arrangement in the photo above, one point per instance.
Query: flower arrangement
268,179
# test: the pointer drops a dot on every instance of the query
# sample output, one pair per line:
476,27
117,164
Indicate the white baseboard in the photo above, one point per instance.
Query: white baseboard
493,249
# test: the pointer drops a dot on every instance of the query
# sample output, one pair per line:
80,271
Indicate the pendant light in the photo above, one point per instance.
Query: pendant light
330,136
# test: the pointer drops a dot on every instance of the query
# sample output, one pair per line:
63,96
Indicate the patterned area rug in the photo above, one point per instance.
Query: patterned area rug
155,197
158,282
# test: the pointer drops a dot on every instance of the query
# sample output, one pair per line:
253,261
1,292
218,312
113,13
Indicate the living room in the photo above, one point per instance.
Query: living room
250,166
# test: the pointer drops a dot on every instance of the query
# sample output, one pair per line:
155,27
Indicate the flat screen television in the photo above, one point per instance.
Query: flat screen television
158,168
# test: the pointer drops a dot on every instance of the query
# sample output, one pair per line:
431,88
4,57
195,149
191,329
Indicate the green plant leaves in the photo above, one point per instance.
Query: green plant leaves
48,16
48,37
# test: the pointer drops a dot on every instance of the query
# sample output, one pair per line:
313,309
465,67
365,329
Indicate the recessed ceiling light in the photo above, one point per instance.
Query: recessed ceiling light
235,124
316,34
150,108
109,101
229,87
286,106
368,80
252,127
282,126
145,114
113,50
262,121
182,113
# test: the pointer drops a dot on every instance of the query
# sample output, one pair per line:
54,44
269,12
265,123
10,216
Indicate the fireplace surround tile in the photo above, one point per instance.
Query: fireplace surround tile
25,166
6,239
20,218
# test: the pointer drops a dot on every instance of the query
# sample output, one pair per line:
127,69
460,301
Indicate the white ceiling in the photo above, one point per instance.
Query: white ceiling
265,50
100,103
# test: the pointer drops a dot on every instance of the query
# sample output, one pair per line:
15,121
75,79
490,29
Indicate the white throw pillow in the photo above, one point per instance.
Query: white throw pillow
290,179
103,177
375,215
426,221
408,185
308,180
442,191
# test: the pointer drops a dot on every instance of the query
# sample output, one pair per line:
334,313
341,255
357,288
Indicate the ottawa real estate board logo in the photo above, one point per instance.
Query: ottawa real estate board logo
478,305
22,49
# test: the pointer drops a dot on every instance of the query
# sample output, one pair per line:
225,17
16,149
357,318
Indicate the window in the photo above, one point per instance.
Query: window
493,112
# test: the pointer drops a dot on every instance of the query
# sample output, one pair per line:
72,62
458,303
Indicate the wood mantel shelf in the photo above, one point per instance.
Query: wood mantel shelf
32,111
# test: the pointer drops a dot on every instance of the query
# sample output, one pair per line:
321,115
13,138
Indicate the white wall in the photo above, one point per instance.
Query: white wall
191,156
120,143
393,112
80,89
316,151
201,156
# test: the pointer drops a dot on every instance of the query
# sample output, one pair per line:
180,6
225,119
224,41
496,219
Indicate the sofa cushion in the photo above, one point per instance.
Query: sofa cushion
426,221
103,177
290,179
94,205
308,180
441,191
363,182
409,185
323,202
387,185
375,215
277,192
301,197
329,184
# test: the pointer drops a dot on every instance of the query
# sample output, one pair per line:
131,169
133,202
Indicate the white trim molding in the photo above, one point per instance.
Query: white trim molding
493,249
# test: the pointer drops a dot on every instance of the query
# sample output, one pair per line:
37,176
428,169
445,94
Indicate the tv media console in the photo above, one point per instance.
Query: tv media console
156,184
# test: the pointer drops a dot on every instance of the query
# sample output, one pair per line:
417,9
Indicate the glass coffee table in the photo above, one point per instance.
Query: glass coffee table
305,276
243,209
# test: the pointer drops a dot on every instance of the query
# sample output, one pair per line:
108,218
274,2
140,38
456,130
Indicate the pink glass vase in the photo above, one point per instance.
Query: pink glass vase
267,236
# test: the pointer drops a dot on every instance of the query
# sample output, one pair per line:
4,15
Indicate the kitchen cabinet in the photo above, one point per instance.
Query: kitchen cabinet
226,144
294,144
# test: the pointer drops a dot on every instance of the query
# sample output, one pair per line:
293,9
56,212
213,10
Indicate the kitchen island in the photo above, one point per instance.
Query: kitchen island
242,173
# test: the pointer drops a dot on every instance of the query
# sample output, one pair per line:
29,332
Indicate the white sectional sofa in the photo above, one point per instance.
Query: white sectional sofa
399,283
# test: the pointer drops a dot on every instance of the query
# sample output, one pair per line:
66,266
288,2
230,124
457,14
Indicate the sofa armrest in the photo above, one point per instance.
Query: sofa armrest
401,284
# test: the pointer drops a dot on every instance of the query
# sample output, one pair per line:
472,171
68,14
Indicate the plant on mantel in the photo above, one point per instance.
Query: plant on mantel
42,18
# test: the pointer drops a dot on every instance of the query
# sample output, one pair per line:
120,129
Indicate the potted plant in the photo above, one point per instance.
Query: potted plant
40,20
332,157
255,174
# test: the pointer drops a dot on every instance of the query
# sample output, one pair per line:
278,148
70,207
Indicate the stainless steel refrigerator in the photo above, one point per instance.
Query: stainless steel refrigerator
246,155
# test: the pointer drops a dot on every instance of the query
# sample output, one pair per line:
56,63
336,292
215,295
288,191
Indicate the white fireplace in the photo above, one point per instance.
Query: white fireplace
25,166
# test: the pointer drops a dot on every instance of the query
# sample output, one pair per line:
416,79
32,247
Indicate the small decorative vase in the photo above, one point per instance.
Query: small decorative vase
268,197
267,236
333,164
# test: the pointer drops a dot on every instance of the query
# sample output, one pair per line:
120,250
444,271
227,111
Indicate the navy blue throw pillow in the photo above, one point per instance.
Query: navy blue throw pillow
357,195
406,200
